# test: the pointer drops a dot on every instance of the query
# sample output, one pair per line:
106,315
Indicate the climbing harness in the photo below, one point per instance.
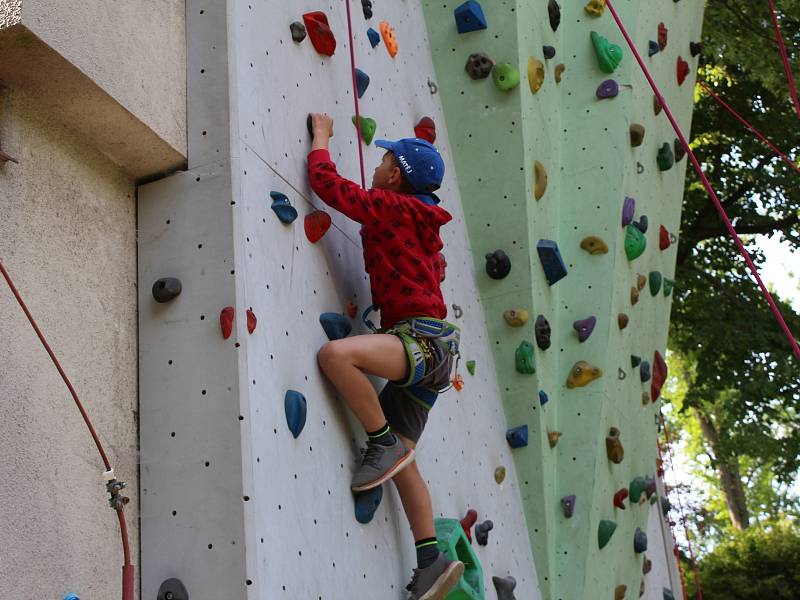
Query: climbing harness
706,184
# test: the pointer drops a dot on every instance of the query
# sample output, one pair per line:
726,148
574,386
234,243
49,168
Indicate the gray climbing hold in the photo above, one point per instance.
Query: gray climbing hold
166,288
295,406
552,263
641,224
498,265
336,325
283,208
172,589
584,327
505,587
549,52
362,82
668,595
542,332
298,31
608,89
639,541
482,532
568,505
644,371
479,65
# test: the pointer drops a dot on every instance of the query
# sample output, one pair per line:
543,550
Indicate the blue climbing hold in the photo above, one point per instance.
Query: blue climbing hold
362,82
517,437
469,17
653,48
367,503
554,268
71,597
336,325
543,399
282,207
295,405
374,37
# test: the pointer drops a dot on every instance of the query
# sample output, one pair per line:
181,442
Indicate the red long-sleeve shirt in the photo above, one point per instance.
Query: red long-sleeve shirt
400,237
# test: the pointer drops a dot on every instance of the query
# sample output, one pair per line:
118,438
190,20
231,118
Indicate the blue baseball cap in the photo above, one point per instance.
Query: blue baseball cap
420,161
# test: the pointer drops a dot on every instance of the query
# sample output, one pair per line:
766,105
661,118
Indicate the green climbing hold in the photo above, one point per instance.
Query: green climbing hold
635,361
637,490
668,285
506,77
665,158
635,242
655,282
368,128
608,55
471,367
604,532
524,358
453,543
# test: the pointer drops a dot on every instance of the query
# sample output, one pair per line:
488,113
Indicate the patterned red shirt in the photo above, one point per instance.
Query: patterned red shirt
400,237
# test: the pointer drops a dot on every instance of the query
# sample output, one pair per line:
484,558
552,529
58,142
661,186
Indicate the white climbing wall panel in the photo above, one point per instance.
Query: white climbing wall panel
232,504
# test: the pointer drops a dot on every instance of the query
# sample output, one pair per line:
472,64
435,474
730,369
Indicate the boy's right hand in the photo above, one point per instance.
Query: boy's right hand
321,126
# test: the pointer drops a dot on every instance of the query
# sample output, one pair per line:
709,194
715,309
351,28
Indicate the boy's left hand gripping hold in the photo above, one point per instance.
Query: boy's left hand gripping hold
321,128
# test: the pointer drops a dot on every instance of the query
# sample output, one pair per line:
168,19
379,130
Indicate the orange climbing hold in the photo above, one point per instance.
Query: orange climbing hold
426,129
226,321
387,33
458,382
352,309
316,225
320,33
535,74
468,521
539,180
251,321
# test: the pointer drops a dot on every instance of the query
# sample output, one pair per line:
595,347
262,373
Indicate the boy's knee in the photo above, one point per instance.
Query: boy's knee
329,354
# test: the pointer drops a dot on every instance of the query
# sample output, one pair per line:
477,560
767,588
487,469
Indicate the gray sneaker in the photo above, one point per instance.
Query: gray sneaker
436,581
379,464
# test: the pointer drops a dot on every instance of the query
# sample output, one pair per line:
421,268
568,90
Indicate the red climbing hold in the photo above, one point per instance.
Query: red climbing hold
352,309
442,266
619,498
226,321
659,375
320,32
683,70
251,321
426,129
468,521
662,35
316,224
663,238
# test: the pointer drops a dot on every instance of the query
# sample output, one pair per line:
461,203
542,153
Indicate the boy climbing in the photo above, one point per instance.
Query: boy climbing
415,348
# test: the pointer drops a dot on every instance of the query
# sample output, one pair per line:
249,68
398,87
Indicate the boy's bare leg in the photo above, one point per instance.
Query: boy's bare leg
415,497
345,361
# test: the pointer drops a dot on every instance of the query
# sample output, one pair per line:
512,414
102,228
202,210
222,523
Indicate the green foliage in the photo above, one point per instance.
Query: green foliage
756,564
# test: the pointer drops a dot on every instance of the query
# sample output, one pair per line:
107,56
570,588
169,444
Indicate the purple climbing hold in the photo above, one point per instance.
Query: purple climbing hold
542,332
482,532
584,327
366,503
362,82
608,89
641,224
568,505
374,37
653,48
628,210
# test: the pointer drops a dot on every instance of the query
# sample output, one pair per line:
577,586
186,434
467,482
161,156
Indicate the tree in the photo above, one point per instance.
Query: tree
741,379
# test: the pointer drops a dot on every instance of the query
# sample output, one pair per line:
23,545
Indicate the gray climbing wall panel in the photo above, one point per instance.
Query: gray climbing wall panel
232,504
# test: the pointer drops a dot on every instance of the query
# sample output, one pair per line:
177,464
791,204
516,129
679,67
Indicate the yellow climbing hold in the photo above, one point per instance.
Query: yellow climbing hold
539,179
595,7
499,474
559,71
583,373
594,245
634,296
552,438
535,74
516,317
641,281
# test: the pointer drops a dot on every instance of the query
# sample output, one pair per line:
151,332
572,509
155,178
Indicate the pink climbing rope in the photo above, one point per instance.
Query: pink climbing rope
355,96
697,582
784,56
722,103
711,193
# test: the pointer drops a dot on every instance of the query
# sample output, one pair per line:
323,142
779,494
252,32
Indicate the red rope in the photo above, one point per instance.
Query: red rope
711,193
786,66
697,582
355,95
722,103
127,569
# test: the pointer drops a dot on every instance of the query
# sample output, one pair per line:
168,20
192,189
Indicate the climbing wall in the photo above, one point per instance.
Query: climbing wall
547,161
232,503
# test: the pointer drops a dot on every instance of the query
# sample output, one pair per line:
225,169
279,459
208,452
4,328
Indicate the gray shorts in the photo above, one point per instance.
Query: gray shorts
431,346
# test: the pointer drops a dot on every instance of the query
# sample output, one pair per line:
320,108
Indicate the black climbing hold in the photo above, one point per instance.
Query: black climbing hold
666,506
568,505
641,224
172,589
517,437
549,51
665,158
479,65
644,371
458,312
542,332
639,541
668,595
362,82
298,31
653,48
635,360
469,17
374,37
637,134
366,6
498,265
366,503
294,404
166,288
554,12
505,587
482,532
695,48
336,325
552,263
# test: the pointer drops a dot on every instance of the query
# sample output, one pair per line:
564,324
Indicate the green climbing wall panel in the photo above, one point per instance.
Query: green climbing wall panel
584,146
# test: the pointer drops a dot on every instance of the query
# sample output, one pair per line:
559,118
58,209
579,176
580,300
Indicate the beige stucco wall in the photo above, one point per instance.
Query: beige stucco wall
67,236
